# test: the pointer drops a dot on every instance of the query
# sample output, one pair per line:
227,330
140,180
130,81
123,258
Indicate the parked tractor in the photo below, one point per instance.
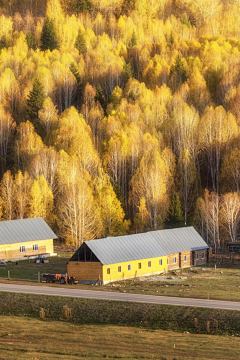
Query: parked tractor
59,278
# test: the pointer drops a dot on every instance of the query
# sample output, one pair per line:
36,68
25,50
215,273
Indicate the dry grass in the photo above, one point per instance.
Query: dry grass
22,338
224,284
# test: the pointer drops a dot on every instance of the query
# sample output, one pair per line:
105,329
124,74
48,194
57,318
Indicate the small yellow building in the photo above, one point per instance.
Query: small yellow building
117,258
25,238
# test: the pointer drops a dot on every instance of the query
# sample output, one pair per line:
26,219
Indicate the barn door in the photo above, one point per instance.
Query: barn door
193,258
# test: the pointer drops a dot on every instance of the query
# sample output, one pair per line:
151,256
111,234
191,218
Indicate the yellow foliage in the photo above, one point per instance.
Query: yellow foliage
150,181
112,214
6,25
216,126
41,200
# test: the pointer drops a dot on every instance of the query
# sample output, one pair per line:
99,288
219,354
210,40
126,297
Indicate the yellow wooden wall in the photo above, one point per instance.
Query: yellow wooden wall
12,251
85,271
135,271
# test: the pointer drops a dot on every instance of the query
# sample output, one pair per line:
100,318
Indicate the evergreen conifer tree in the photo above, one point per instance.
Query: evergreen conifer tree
128,71
83,6
35,101
100,97
175,215
179,70
73,68
31,40
133,41
3,42
80,43
119,193
48,39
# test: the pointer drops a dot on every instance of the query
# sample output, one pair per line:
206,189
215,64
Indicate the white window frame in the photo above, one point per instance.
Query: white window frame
35,247
185,258
22,249
203,255
129,267
160,262
175,260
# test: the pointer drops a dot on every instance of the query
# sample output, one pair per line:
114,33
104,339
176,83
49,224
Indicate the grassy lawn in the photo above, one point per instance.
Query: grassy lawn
26,338
224,284
27,270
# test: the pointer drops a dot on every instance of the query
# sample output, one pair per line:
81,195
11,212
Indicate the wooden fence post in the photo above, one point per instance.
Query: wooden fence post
66,278
39,276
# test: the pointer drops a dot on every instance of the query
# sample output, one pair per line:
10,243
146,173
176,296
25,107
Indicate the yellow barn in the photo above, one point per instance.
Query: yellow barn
124,257
117,258
25,238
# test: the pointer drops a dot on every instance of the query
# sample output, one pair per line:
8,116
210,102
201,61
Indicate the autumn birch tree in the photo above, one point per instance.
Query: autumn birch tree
230,215
215,129
150,181
188,180
7,195
7,127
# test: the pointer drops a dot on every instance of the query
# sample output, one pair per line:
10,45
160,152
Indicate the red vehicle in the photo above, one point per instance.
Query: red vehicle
59,278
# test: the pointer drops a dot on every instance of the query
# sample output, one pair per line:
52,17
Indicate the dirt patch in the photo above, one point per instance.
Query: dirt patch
162,278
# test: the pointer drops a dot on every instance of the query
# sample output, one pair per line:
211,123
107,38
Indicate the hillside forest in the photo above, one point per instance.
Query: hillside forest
121,116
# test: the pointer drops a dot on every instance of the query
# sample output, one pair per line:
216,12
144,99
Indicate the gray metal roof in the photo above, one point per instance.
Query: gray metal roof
16,231
179,240
120,249
152,244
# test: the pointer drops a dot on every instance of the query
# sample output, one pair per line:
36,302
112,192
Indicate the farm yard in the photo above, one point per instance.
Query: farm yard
27,270
198,282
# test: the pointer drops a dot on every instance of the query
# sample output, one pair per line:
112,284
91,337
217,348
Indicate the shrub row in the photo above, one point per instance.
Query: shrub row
90,311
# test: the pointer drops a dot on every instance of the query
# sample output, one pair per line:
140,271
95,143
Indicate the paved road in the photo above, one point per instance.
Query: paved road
91,294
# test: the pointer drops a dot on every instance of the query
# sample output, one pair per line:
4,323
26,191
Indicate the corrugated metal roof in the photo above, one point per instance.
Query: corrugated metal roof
119,249
15,231
179,240
152,244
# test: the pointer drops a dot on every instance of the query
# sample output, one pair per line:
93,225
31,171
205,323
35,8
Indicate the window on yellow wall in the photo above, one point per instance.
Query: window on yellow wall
160,262
185,258
108,271
129,267
139,265
22,248
149,264
35,247
119,269
168,261
174,260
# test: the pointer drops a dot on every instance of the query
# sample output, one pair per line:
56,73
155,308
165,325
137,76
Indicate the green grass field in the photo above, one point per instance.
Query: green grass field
26,338
27,270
